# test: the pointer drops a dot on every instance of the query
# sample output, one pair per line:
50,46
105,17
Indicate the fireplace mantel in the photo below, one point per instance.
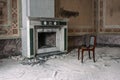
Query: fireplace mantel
42,21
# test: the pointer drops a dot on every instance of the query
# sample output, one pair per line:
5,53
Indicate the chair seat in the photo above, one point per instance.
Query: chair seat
83,47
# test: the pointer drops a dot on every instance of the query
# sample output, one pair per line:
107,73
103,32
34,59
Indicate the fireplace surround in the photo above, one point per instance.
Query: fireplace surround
44,36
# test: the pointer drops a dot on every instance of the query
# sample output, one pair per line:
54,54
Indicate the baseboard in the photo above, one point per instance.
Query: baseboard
107,45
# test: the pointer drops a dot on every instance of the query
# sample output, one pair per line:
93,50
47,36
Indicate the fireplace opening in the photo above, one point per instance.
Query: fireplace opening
46,39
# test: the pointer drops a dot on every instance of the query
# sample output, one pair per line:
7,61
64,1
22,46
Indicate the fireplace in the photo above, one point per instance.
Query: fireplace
46,40
44,36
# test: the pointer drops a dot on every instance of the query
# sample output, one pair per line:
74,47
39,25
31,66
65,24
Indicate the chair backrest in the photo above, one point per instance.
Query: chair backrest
86,40
93,41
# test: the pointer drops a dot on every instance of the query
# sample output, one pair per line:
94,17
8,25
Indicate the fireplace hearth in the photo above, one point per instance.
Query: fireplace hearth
44,36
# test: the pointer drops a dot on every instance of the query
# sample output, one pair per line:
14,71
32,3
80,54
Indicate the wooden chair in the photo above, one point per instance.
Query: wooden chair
91,47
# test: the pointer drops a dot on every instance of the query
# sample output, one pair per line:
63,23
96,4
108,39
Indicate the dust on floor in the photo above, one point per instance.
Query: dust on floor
65,67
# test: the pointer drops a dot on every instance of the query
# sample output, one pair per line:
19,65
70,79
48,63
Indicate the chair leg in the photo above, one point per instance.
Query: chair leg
82,56
94,55
78,53
89,54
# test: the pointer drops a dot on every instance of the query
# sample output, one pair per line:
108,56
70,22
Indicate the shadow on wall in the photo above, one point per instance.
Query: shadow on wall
10,47
66,13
